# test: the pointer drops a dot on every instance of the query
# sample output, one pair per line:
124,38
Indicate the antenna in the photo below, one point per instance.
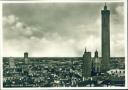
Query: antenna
105,4
105,7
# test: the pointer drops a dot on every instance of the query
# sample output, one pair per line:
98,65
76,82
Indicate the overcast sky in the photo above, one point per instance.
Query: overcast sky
61,0
60,29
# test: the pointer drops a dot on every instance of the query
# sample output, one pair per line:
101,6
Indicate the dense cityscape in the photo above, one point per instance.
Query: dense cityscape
58,72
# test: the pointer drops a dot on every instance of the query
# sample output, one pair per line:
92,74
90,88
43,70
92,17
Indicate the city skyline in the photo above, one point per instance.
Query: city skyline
60,29
57,71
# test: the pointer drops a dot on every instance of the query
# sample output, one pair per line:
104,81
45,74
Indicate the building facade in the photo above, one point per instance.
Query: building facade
96,64
116,72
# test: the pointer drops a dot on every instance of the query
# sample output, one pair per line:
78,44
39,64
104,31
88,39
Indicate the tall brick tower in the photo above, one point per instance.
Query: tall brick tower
105,39
26,58
87,64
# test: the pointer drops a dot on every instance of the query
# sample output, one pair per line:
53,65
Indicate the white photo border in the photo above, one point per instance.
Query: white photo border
63,1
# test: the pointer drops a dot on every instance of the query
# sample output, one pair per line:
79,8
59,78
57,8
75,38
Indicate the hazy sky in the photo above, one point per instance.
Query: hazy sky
61,0
60,29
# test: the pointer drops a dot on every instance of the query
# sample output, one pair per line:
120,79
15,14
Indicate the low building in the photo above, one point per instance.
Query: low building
116,72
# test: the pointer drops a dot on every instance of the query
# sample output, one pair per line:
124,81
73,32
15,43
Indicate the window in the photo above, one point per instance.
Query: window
116,71
123,71
120,71
111,71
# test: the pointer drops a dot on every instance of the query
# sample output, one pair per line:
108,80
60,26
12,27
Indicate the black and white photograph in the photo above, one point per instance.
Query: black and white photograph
64,45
